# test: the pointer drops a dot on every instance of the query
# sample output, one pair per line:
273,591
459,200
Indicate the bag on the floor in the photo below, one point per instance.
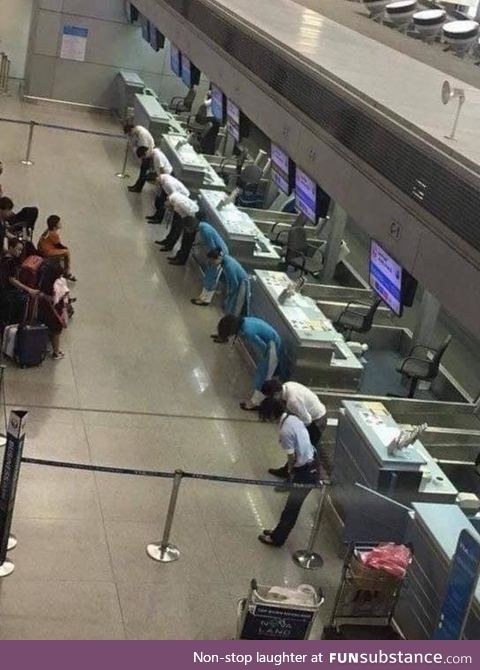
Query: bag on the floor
32,338
9,339
30,270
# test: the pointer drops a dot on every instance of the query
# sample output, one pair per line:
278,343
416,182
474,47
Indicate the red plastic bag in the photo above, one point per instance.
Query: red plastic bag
391,558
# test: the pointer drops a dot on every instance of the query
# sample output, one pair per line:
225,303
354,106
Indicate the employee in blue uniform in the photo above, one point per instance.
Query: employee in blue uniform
265,340
237,281
210,240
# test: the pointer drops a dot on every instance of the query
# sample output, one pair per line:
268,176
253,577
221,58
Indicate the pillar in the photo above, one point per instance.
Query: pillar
338,221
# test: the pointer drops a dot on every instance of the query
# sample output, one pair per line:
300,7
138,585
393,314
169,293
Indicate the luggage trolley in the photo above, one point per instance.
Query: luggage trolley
365,601
278,613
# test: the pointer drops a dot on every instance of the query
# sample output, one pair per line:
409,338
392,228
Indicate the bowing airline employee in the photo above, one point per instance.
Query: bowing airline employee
237,282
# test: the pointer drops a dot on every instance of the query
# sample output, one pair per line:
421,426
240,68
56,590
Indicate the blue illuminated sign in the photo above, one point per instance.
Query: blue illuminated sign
233,120
386,278
186,71
217,103
280,169
175,60
306,195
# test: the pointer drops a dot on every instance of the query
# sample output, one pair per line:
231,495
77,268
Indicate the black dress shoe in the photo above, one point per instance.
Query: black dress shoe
165,248
278,472
200,303
134,189
267,539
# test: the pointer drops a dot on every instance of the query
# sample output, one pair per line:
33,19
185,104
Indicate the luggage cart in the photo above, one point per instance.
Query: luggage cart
365,601
278,613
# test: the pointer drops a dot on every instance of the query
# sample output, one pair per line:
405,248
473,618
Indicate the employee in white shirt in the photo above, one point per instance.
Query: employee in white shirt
302,467
302,402
167,184
138,136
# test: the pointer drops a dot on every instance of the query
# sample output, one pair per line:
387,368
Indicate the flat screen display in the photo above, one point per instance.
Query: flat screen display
157,40
146,28
282,170
306,195
233,120
218,108
175,60
186,71
386,277
131,12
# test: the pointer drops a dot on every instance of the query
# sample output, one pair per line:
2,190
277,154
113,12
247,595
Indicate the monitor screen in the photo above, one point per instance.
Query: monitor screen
386,277
218,105
131,12
306,195
283,170
186,71
175,60
157,39
233,120
145,24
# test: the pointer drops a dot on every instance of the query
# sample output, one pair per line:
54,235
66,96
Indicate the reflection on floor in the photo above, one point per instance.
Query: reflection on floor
141,386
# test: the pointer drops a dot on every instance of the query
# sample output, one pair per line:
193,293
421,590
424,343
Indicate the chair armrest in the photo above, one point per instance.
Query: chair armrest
411,358
280,232
421,346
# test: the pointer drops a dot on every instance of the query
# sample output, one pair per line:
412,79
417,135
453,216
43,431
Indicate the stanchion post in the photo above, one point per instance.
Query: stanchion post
8,485
166,552
27,160
124,174
307,558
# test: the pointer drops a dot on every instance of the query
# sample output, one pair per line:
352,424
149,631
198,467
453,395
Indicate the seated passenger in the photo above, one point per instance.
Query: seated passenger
13,294
266,341
50,245
237,282
167,185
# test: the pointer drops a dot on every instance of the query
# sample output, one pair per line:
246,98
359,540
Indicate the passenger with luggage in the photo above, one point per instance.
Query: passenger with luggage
237,283
259,335
13,293
50,245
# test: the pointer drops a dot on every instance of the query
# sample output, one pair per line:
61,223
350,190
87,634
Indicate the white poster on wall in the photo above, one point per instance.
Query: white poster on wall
74,43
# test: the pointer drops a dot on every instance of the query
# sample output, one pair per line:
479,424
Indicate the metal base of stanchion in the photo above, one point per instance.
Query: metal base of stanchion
308,560
27,163
12,542
6,569
166,554
122,175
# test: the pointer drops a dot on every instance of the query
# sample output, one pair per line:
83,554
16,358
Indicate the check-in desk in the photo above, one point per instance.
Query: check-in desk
318,355
433,531
150,114
245,241
365,429
128,85
190,167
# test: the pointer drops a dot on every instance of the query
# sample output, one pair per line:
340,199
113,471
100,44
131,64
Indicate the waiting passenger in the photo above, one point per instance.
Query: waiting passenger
158,164
237,282
167,184
13,294
261,336
50,309
139,136
50,245
301,466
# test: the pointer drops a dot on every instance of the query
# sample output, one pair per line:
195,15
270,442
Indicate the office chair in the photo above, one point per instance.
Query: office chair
179,104
249,182
350,320
423,368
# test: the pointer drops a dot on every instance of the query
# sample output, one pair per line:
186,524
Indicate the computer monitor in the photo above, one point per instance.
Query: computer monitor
146,28
157,39
233,120
218,103
386,278
175,60
283,170
131,12
190,73
311,200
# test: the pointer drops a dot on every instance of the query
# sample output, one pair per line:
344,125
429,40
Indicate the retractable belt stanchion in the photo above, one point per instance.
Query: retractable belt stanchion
8,485
123,174
307,558
27,160
166,552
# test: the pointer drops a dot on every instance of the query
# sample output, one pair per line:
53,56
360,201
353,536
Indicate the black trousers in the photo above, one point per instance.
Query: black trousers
160,201
188,240
145,168
315,431
307,474
176,229
25,217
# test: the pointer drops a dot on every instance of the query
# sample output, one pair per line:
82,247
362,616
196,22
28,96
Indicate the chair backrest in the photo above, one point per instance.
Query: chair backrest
251,175
436,360
297,239
369,316
189,99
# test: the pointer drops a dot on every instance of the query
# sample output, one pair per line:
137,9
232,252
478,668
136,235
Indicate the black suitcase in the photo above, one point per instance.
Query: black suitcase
32,339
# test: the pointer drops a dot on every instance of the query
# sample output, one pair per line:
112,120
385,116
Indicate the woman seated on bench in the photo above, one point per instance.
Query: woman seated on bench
49,245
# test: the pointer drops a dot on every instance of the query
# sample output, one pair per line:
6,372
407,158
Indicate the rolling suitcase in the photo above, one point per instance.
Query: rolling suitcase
30,271
32,339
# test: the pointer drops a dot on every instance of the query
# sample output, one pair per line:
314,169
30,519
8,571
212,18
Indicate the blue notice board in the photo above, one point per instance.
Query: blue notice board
461,585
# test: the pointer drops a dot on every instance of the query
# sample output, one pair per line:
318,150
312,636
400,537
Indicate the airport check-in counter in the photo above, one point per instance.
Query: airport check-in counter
365,429
128,85
245,241
150,114
433,530
318,354
190,167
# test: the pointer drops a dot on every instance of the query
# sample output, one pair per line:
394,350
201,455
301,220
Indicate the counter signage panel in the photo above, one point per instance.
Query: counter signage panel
175,60
386,278
217,103
280,169
461,586
306,195
233,120
186,71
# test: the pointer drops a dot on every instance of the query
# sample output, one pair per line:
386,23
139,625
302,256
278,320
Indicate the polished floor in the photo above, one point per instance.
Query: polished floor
141,386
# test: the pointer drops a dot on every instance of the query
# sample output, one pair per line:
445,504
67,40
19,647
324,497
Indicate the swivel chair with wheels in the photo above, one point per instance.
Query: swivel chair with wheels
351,320
423,367
180,104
